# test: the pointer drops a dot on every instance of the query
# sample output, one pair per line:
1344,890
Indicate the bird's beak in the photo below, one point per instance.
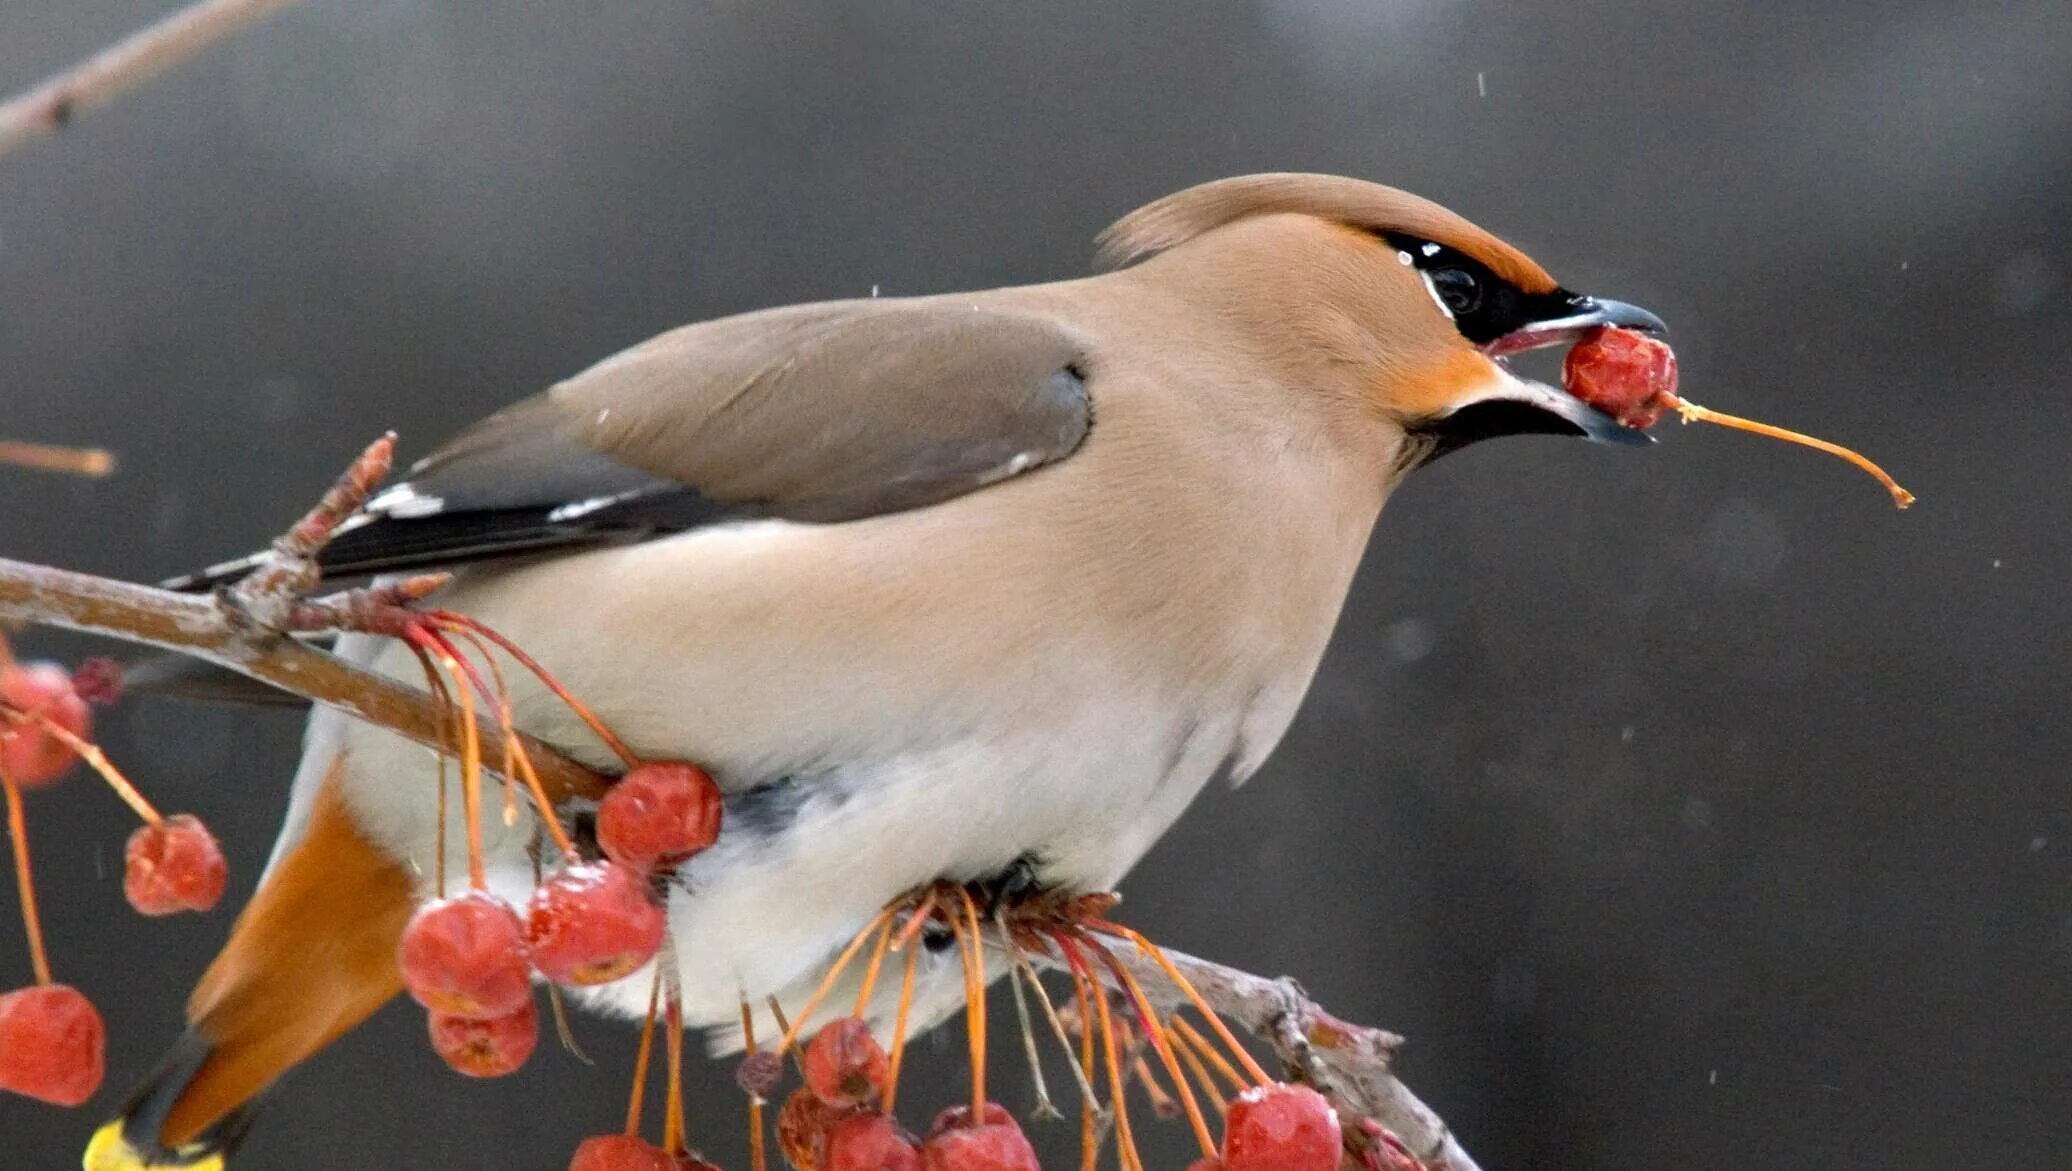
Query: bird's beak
1571,315
1520,406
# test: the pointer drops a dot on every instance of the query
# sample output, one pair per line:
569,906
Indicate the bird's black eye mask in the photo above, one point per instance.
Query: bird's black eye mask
1483,305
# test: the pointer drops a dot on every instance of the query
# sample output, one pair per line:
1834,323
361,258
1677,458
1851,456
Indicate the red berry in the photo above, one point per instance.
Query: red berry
593,924
803,1123
486,1048
996,1144
1281,1127
844,1064
871,1141
658,814
32,756
620,1152
1206,1164
465,957
960,1116
1625,374
173,866
53,1046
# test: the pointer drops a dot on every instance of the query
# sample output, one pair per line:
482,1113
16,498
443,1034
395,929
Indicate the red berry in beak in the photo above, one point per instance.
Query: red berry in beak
486,1048
996,1144
31,755
1281,1127
620,1152
844,1064
1627,375
658,814
53,1046
871,1142
465,957
592,924
173,866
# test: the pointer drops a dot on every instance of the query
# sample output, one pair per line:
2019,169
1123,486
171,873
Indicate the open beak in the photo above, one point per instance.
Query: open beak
1524,407
1576,315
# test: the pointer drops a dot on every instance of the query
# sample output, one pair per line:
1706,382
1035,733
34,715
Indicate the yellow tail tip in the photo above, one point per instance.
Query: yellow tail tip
108,1150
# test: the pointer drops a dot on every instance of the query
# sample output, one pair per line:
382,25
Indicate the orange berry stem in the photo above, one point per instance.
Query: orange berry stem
758,1158
899,1028
969,949
1187,989
870,973
1199,1071
470,755
1125,1143
47,457
18,835
1089,1135
827,982
1147,1020
1200,1044
518,759
1692,411
640,1061
95,759
672,1126
611,740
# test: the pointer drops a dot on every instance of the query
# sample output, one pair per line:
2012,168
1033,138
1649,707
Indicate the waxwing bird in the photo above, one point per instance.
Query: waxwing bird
937,588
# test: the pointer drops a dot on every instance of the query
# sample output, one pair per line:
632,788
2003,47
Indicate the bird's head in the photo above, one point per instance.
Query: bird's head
1416,307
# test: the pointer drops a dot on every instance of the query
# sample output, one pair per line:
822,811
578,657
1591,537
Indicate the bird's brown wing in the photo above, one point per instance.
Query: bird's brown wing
818,413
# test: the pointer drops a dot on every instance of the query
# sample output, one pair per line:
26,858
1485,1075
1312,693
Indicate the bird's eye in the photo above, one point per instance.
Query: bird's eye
1457,289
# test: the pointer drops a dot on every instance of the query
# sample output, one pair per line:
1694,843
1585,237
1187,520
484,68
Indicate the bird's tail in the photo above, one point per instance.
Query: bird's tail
313,955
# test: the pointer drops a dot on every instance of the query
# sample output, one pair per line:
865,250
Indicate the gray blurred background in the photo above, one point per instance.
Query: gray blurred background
1685,809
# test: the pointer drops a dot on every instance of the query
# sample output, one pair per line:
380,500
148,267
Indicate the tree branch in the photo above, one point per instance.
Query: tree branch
1350,1064
201,627
125,65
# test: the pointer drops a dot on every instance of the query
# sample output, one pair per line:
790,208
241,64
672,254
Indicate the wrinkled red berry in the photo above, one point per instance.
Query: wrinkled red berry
465,956
593,924
995,1144
871,1141
845,1066
759,1074
657,814
620,1152
31,755
1281,1127
53,1046
803,1123
1625,374
486,1048
173,866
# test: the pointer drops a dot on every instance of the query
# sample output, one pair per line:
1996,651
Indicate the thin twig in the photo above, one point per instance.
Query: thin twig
128,63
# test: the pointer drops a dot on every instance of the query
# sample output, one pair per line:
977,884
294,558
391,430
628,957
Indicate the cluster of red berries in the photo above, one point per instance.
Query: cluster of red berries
834,1123
52,1042
470,959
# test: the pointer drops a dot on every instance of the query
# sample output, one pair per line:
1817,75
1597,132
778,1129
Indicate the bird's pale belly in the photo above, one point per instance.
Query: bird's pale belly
806,860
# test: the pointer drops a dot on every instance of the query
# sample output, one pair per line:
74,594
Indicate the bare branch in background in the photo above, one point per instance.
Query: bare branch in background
125,65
